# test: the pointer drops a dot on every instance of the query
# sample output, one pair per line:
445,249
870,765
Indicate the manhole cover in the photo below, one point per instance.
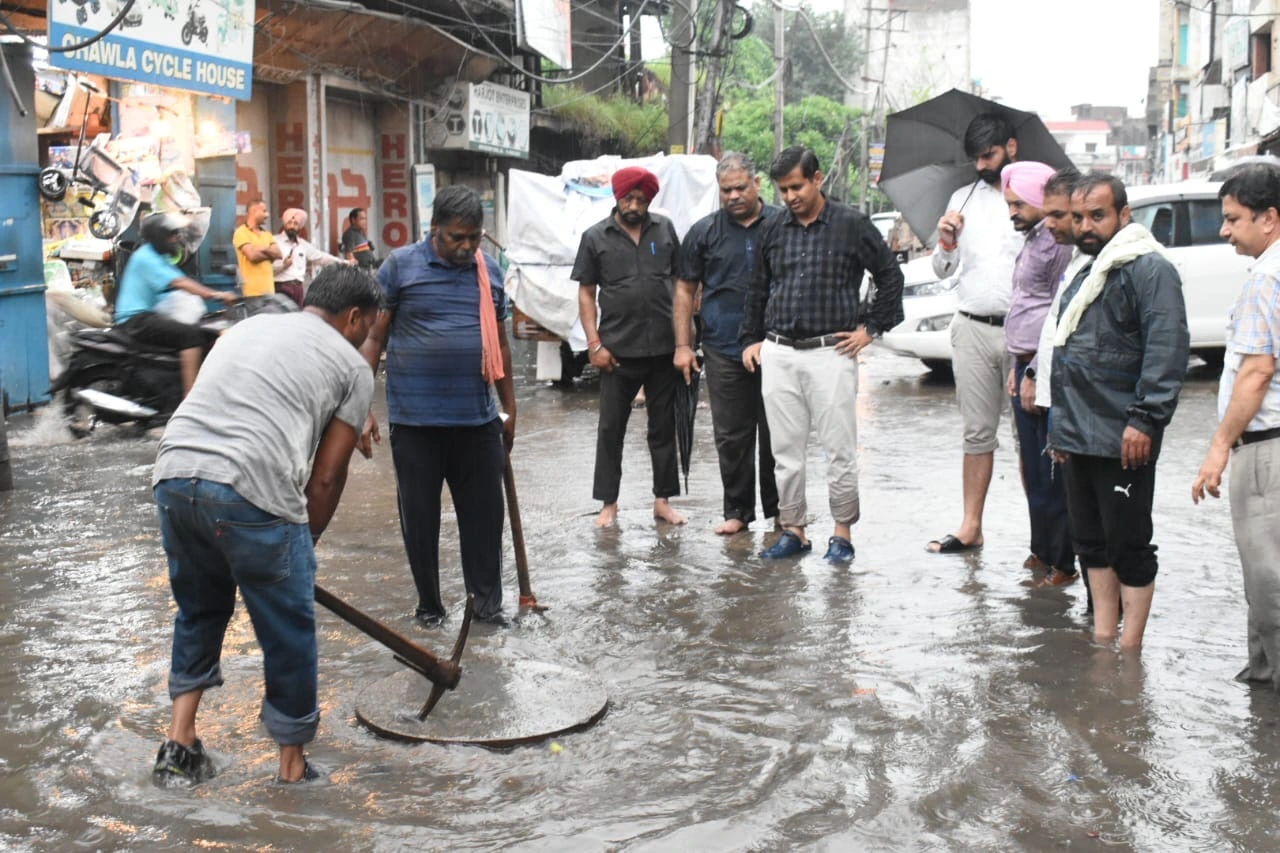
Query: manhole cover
497,704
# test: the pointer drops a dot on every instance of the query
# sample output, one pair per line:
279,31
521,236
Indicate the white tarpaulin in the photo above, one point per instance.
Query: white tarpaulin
547,214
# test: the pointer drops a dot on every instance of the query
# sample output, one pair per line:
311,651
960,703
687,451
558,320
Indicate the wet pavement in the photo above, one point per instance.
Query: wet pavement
910,701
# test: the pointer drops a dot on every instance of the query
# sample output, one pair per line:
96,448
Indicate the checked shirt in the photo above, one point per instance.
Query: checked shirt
808,279
1254,329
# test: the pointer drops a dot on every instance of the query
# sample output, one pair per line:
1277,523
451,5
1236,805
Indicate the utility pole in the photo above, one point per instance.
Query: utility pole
780,77
681,81
865,160
705,127
635,63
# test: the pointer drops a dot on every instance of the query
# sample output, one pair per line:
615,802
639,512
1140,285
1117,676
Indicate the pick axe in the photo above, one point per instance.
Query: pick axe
527,598
443,674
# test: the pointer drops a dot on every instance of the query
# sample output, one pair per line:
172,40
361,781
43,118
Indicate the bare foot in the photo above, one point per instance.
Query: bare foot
731,526
608,516
664,511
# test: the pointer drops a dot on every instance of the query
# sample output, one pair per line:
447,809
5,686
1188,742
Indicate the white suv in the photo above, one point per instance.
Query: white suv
1184,217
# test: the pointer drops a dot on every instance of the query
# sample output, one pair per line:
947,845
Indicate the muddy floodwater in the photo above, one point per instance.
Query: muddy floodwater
907,702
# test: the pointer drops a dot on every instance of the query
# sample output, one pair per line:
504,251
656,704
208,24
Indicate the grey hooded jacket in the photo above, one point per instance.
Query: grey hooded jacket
1125,363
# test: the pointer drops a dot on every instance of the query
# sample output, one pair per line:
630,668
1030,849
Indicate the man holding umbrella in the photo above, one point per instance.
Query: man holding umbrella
978,244
803,329
719,253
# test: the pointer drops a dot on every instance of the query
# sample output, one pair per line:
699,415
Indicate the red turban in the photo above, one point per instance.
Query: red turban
635,178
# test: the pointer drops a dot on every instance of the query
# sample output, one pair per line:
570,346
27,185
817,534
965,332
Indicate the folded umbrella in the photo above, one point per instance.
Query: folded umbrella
924,159
686,405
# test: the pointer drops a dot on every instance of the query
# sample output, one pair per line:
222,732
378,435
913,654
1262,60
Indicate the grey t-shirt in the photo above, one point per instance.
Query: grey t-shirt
263,399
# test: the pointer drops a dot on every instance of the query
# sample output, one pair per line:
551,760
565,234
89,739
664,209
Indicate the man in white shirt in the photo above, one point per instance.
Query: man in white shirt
295,253
978,244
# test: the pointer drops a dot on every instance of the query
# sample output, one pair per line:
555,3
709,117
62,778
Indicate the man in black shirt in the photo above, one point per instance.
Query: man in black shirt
719,253
356,245
631,257
803,329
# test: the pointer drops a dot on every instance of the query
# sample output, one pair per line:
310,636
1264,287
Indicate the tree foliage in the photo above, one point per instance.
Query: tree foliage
814,113
617,122
808,72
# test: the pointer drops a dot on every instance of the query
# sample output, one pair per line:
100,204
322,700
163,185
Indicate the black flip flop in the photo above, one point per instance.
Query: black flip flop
951,545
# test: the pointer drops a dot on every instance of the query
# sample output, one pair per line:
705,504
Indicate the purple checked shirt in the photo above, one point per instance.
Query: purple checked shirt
1036,276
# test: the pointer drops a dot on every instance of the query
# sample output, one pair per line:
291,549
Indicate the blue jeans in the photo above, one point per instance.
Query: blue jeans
217,541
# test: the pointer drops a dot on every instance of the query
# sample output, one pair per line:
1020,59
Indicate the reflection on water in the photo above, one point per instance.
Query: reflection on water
910,701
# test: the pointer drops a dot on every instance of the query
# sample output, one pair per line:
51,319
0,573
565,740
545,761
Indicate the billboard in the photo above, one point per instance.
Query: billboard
181,44
486,117
544,27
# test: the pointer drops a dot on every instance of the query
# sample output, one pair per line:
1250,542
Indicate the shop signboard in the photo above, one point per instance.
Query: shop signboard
181,44
544,27
424,195
491,118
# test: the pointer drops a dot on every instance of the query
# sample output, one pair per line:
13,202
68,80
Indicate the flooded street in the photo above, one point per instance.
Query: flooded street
909,702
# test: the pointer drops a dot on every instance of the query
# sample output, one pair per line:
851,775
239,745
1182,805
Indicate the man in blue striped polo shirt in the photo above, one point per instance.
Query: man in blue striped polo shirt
445,425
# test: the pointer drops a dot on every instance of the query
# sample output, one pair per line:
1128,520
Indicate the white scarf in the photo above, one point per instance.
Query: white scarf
1130,243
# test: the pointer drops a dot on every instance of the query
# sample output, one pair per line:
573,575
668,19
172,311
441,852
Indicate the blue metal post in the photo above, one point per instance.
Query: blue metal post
24,342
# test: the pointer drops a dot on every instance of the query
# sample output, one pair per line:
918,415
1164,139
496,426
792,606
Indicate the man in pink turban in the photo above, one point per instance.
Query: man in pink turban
295,254
630,257
1037,274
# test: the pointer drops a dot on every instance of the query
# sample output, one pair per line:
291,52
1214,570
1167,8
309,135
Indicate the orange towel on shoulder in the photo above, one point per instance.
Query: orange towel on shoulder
491,357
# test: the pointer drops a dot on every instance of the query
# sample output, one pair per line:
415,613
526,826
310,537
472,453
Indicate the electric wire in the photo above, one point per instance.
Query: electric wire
606,56
71,48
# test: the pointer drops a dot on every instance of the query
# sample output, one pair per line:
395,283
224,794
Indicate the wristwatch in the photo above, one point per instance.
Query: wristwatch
1029,373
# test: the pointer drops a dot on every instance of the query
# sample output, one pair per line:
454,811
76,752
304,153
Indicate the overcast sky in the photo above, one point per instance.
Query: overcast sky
1047,56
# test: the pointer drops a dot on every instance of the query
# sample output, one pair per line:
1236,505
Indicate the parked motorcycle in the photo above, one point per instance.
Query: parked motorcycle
112,378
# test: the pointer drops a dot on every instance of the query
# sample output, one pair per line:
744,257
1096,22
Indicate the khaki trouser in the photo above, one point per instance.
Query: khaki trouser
1254,491
980,365
817,389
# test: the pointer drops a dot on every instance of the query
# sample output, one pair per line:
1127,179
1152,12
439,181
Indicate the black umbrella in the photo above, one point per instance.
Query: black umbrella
686,406
924,159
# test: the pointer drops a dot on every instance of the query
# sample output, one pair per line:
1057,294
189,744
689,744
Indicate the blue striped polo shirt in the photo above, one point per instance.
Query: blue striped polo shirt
433,348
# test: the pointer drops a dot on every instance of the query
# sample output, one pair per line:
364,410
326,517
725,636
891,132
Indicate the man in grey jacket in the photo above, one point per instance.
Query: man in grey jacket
1119,360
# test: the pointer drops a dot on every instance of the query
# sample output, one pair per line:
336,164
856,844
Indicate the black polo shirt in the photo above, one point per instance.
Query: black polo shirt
636,282
720,252
808,278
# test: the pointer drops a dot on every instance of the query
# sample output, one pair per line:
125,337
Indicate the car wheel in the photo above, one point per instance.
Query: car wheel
1212,358
941,369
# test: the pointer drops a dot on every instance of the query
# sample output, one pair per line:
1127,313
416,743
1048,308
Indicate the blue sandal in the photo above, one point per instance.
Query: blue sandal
788,545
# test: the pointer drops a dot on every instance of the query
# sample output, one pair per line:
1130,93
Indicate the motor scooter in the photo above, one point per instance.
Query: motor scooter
113,378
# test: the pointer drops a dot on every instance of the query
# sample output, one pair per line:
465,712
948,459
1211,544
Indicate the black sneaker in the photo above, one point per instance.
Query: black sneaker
309,774
185,765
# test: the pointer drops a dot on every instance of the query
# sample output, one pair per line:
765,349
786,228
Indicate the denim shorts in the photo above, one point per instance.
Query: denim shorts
217,542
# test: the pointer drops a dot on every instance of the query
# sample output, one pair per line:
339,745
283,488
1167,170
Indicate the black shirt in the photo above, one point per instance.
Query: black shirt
720,252
360,247
636,281
808,278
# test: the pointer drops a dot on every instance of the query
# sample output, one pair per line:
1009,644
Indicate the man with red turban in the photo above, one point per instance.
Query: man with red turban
630,256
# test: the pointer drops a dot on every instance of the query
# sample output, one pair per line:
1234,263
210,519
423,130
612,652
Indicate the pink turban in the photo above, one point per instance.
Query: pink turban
295,215
1027,179
635,178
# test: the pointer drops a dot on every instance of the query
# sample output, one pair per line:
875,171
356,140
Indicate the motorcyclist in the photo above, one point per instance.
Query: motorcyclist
148,277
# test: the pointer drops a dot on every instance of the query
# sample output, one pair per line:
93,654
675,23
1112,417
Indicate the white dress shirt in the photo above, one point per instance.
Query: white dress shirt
1044,354
985,253
302,252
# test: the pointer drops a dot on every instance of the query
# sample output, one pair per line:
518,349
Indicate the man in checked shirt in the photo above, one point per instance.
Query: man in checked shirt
803,330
